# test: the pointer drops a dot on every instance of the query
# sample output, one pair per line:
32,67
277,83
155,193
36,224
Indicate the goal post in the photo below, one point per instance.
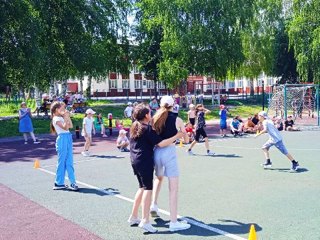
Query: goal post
298,100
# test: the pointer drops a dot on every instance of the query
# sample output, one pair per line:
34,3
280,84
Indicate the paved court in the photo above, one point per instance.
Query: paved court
221,196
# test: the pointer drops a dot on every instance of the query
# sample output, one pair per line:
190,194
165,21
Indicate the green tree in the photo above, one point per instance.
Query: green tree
304,36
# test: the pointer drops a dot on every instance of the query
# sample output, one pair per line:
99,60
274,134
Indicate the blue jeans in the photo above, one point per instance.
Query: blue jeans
65,158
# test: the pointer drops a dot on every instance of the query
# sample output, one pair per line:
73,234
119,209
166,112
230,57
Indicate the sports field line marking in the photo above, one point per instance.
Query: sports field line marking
252,148
191,221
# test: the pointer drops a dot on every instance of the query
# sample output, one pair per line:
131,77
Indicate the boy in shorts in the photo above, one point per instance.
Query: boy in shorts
275,139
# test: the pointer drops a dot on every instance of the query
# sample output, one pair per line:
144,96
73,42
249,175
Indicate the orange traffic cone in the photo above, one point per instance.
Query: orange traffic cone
36,164
252,233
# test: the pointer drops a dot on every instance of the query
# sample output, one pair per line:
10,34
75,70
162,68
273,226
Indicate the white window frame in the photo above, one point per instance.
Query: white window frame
138,84
125,84
113,83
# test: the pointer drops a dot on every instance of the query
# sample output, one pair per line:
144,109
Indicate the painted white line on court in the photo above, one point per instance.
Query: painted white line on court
191,221
252,148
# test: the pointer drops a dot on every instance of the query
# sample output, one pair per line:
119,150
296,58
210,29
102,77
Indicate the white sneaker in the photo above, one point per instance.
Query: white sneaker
190,152
154,210
133,221
147,227
36,142
178,226
85,154
210,153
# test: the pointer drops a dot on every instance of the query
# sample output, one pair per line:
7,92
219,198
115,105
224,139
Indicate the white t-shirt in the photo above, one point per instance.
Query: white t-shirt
128,111
58,129
272,130
120,140
88,122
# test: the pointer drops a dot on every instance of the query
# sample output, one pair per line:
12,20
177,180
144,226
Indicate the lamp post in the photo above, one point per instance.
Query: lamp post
263,95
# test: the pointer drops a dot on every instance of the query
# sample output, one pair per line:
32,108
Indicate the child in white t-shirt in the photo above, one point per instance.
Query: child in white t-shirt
123,141
87,131
61,123
128,111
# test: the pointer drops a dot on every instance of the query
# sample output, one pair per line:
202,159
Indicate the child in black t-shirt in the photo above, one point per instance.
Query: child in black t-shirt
142,141
288,125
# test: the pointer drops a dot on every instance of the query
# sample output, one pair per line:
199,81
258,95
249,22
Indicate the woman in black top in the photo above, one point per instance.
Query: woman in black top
142,141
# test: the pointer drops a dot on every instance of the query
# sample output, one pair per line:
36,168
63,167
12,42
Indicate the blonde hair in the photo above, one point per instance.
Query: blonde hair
159,119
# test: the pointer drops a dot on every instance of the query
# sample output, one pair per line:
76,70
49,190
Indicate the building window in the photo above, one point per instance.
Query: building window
160,85
150,84
231,84
137,84
144,83
125,83
240,83
113,84
260,82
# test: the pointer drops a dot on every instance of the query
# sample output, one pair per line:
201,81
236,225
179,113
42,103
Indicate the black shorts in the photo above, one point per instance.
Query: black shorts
200,132
192,121
145,178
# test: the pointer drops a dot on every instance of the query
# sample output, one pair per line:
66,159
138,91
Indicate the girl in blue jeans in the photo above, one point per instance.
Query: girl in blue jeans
61,123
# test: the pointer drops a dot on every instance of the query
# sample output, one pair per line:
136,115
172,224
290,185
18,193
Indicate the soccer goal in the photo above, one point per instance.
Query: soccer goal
301,101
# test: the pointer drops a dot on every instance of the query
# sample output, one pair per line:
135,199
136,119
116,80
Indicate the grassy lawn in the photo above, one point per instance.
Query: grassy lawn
41,125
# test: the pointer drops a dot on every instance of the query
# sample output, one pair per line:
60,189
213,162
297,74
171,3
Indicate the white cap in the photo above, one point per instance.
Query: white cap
122,131
166,100
90,111
129,103
263,114
191,105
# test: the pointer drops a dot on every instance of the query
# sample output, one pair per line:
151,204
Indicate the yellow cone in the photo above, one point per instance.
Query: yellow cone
36,163
181,143
258,131
252,233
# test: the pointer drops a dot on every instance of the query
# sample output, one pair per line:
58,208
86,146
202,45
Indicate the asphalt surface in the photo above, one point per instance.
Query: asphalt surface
219,195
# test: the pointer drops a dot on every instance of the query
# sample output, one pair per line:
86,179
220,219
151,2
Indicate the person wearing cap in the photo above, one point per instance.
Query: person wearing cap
123,141
167,124
192,114
87,130
128,110
143,139
223,113
275,139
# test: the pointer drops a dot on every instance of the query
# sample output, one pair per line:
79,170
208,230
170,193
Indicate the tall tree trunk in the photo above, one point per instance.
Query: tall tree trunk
155,80
88,90
64,87
251,87
81,85
56,89
51,88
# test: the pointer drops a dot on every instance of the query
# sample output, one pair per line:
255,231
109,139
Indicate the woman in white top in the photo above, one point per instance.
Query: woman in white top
87,130
60,125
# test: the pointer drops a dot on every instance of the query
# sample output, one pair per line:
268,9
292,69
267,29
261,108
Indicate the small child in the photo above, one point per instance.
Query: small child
223,120
61,123
143,139
192,115
128,111
275,139
25,123
123,141
190,132
87,131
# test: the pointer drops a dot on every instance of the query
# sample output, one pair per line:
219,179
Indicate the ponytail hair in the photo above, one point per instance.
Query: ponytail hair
159,119
139,114
54,107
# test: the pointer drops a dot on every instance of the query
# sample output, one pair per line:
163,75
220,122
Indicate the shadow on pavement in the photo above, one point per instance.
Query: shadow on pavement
99,192
229,226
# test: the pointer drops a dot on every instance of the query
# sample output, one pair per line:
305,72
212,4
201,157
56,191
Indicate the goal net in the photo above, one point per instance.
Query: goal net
298,101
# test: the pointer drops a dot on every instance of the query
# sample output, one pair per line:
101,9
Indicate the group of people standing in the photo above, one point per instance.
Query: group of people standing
152,153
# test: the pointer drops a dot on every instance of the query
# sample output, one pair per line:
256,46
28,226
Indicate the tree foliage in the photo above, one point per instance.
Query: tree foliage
304,35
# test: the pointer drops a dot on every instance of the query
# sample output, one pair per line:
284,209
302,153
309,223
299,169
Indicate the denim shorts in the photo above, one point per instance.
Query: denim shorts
278,145
166,162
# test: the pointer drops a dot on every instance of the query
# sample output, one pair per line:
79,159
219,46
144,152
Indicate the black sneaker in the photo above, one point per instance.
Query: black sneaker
74,187
295,166
59,187
267,165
